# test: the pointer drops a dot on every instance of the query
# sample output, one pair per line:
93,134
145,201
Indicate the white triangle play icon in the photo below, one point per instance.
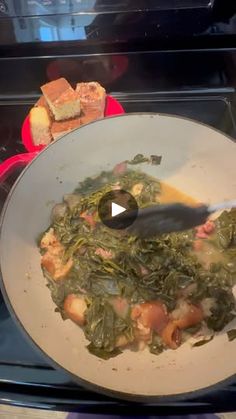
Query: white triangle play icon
116,209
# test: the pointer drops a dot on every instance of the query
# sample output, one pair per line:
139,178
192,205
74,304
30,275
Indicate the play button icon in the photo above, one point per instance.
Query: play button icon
117,209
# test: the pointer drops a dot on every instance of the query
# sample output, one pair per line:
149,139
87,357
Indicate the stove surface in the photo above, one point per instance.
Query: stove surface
26,378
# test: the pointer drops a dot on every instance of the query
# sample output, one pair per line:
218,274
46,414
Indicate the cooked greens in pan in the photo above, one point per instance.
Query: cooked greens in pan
128,292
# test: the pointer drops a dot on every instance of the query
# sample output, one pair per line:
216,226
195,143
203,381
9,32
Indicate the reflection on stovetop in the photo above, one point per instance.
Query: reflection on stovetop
26,374
11,118
13,346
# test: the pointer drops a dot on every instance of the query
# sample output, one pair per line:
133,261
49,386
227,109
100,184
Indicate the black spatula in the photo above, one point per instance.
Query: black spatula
162,219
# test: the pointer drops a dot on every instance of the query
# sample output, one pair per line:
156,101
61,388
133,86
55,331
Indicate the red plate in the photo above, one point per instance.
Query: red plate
113,107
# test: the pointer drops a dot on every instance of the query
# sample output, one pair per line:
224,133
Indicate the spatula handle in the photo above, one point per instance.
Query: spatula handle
222,206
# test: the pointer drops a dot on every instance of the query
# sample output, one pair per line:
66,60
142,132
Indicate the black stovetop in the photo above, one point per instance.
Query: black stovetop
169,56
25,376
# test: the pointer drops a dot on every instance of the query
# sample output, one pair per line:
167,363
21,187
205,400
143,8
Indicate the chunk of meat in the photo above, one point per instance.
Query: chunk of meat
185,316
200,233
52,260
120,169
171,335
151,315
105,254
49,239
209,227
203,231
75,308
190,316
89,218
53,264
